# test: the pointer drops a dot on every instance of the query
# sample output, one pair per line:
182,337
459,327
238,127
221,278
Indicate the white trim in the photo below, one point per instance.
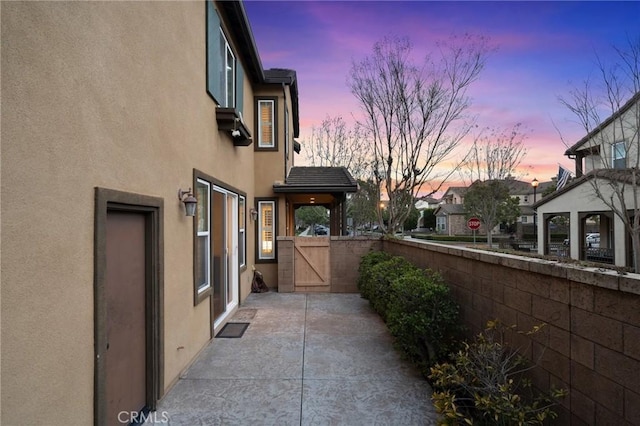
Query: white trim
207,255
270,244
262,144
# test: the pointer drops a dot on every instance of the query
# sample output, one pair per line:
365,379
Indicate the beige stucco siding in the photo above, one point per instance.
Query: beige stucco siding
580,199
109,95
622,129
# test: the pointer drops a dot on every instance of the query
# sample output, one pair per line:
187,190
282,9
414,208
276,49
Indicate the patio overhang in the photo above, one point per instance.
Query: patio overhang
317,180
324,186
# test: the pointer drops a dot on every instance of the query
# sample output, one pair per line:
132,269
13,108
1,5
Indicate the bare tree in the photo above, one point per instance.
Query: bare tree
415,114
493,158
495,154
334,144
614,93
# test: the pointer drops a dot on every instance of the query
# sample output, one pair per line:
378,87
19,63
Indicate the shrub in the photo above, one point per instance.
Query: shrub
484,384
382,275
423,318
365,278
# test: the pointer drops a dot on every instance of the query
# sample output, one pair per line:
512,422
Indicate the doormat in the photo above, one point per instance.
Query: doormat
232,330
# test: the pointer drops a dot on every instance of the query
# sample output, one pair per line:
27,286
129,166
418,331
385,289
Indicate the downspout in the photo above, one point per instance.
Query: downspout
286,142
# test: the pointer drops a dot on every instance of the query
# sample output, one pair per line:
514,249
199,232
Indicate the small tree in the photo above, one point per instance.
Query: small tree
363,205
415,114
411,222
604,96
312,215
490,202
429,218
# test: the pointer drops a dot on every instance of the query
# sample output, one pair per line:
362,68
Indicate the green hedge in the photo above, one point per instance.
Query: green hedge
415,304
478,383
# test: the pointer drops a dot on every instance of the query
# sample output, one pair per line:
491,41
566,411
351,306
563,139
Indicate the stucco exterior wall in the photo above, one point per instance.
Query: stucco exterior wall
98,94
590,342
580,199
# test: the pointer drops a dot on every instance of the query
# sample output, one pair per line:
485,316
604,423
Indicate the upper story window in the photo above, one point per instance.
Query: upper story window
618,155
225,75
266,117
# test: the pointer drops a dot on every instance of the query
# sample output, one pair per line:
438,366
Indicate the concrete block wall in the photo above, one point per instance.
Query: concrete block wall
346,253
286,280
591,343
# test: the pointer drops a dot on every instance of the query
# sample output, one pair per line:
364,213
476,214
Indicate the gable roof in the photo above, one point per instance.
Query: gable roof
450,209
323,180
575,147
239,24
461,190
620,175
520,187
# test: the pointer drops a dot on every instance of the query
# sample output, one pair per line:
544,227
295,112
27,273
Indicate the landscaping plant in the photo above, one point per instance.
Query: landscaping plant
415,304
423,318
365,277
382,275
484,384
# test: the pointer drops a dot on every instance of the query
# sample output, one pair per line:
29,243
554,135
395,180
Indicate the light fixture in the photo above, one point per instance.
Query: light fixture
254,214
534,183
189,201
235,133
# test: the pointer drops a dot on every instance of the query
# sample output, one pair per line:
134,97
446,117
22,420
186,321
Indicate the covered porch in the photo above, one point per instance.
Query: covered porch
596,233
317,186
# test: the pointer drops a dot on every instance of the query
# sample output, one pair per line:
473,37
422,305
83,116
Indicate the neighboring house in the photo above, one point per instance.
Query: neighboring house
115,117
452,220
423,204
527,196
427,203
450,216
606,158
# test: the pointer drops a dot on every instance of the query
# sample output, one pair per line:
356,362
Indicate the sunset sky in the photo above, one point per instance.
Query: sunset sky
543,49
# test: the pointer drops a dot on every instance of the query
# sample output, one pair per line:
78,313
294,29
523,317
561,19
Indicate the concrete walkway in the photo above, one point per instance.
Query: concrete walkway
305,359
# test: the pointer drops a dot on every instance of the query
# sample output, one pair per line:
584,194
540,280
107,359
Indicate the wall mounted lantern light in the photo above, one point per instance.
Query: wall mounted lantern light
254,214
189,201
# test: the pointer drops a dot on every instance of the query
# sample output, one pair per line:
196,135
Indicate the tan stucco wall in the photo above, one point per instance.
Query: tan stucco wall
102,94
269,167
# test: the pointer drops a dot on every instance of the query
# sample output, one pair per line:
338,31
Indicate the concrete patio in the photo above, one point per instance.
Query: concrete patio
305,359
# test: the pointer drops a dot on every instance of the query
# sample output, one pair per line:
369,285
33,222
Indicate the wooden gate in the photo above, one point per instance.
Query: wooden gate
312,269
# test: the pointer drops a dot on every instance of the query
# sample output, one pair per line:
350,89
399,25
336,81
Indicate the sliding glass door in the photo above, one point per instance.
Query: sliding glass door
224,234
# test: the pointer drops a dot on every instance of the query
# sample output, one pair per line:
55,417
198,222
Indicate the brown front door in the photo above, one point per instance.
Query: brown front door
125,289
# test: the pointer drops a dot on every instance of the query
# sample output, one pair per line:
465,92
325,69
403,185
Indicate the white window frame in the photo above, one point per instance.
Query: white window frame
266,246
206,285
228,72
261,142
618,154
242,234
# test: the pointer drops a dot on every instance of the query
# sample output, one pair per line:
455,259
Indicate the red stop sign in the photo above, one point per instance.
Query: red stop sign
473,223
